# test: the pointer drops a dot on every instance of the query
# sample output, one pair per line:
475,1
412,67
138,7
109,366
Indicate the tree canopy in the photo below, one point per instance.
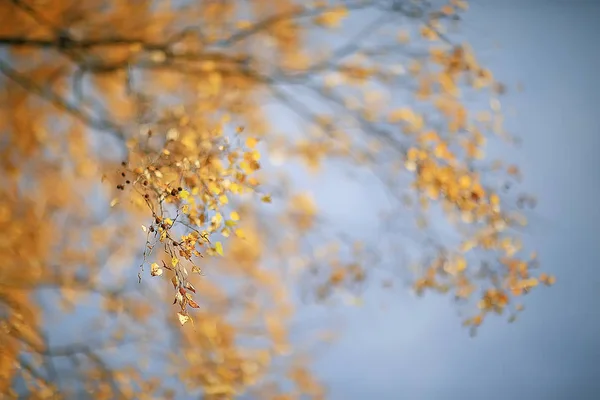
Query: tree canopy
150,159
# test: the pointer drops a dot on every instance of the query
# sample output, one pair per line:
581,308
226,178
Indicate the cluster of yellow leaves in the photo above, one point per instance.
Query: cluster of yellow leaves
25,241
438,177
442,163
412,122
221,368
192,179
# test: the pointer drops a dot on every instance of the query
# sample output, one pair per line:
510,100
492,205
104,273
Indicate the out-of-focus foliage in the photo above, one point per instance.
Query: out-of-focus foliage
137,133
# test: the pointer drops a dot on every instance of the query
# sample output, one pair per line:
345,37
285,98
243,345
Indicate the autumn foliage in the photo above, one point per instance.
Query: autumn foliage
148,154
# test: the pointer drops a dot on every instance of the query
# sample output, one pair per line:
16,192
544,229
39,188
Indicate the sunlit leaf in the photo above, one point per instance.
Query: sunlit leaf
182,318
219,248
155,270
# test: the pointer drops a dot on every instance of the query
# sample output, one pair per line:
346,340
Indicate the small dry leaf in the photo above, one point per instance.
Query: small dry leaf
183,318
190,287
114,202
196,270
155,270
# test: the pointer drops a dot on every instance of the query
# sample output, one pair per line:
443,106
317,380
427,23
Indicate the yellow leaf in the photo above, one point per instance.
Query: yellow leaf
428,33
251,142
234,216
465,181
182,318
184,194
155,270
462,4
332,18
217,218
467,245
531,282
266,199
401,114
144,228
174,261
461,264
196,270
494,200
219,248
255,155
114,202
447,10
214,188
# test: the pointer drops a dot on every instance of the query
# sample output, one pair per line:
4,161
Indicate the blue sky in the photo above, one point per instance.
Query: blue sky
416,348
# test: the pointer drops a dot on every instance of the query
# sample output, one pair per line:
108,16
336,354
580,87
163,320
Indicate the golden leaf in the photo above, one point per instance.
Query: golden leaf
251,142
219,248
184,194
183,318
155,270
196,270
332,18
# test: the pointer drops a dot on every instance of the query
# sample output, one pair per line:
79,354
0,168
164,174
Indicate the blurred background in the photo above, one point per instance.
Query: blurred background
274,314
414,348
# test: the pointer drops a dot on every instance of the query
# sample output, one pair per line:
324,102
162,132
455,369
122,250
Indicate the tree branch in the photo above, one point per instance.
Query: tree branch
61,103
